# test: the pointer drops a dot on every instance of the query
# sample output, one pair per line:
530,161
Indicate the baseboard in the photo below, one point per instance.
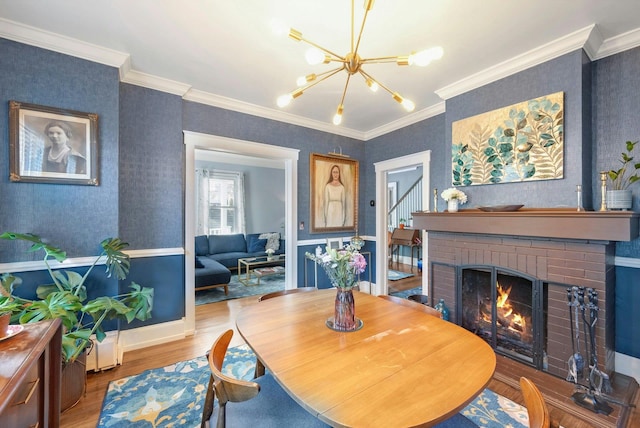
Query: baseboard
155,334
627,365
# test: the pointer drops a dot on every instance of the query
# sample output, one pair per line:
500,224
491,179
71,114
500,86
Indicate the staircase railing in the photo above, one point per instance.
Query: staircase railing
410,201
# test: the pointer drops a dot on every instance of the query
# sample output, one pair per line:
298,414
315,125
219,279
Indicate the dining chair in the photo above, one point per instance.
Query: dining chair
534,402
283,292
259,404
411,304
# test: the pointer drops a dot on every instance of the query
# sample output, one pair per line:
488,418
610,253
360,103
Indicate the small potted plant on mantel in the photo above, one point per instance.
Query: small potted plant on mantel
402,222
66,298
620,197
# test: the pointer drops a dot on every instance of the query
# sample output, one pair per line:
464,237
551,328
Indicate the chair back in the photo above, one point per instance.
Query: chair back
413,305
226,388
283,292
536,407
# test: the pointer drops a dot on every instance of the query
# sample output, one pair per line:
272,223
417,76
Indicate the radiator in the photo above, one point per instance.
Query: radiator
103,355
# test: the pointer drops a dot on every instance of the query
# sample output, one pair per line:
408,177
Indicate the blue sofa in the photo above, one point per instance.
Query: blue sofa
217,256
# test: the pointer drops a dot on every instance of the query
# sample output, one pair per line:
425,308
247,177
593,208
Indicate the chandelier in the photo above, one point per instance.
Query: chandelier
353,64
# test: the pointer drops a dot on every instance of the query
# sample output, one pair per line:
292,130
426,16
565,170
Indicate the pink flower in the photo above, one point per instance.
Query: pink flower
358,262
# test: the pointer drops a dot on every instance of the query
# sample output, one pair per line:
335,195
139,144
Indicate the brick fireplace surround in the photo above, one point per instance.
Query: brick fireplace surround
562,248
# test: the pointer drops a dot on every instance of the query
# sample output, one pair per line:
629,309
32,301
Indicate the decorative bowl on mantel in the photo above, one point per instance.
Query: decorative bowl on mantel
500,208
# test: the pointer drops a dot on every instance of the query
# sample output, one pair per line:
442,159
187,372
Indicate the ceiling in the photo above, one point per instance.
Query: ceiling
224,53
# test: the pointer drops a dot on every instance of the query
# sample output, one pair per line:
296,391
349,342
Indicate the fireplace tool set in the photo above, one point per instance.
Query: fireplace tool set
583,309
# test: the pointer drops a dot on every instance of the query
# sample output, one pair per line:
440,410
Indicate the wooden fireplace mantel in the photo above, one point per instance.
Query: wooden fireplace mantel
536,222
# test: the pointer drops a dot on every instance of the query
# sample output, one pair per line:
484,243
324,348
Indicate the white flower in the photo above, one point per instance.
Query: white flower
453,193
270,251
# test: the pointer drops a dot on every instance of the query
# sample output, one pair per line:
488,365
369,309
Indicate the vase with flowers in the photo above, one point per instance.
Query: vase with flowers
343,267
270,252
454,198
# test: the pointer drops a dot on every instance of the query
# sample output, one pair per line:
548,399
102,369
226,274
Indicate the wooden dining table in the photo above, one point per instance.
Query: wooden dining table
403,368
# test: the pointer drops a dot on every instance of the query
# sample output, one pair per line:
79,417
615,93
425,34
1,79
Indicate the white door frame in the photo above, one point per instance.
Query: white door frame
193,141
381,168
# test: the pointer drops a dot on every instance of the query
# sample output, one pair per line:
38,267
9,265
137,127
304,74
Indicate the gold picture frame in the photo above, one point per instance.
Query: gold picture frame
52,145
334,202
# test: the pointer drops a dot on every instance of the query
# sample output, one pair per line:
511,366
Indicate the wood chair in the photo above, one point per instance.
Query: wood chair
262,403
259,366
413,305
534,402
283,292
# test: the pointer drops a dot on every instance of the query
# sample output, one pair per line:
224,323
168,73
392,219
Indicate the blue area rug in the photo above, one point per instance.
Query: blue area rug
407,293
237,289
174,395
395,275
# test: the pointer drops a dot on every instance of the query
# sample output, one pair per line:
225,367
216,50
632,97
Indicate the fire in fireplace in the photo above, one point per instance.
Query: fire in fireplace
504,308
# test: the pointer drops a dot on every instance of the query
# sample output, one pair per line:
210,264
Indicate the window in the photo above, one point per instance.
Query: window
221,202
222,207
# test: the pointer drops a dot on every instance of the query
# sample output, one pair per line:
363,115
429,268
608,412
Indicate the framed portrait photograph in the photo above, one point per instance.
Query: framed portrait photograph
51,145
334,193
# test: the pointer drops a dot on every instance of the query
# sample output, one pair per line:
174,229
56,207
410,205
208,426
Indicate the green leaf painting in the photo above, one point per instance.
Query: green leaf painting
522,142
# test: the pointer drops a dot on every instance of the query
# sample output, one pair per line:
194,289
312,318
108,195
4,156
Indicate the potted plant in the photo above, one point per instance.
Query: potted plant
7,306
402,222
619,197
67,298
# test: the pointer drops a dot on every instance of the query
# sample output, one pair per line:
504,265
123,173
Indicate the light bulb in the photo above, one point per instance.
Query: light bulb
315,56
373,85
337,119
284,100
423,58
408,105
303,80
279,28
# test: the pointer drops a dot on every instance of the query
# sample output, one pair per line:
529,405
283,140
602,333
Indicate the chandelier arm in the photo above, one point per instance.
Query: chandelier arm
315,82
381,60
365,74
344,93
364,21
317,46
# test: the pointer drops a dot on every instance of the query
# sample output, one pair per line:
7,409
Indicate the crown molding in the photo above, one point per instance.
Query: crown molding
154,82
588,38
416,117
621,43
66,45
268,113
544,53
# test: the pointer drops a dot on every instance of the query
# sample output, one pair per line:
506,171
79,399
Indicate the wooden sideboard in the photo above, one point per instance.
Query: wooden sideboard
30,366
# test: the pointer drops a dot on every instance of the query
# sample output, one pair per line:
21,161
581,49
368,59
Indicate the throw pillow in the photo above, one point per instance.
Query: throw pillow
256,245
199,263
273,240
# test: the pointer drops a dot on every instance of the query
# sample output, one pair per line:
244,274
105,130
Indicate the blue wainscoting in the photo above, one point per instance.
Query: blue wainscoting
627,313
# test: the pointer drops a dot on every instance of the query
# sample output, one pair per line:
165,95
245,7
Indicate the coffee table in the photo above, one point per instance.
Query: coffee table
251,269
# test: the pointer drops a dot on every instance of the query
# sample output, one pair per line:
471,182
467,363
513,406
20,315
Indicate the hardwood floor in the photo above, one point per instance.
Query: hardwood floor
214,318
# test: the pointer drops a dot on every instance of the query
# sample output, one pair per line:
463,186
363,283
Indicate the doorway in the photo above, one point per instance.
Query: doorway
229,147
382,201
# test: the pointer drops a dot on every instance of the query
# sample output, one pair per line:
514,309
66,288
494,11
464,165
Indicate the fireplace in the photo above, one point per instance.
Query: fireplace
507,309
536,255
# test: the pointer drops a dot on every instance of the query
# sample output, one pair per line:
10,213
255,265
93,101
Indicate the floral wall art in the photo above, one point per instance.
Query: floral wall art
521,142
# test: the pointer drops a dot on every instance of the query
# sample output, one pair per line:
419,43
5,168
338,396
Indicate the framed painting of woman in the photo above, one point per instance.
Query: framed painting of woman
334,193
51,145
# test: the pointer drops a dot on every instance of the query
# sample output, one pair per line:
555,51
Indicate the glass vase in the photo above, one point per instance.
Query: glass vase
344,318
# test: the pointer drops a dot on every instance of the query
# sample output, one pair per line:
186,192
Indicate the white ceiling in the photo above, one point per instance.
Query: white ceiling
223,53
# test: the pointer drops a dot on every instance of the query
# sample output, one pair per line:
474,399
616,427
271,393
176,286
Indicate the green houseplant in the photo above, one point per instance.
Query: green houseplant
66,298
620,180
619,196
